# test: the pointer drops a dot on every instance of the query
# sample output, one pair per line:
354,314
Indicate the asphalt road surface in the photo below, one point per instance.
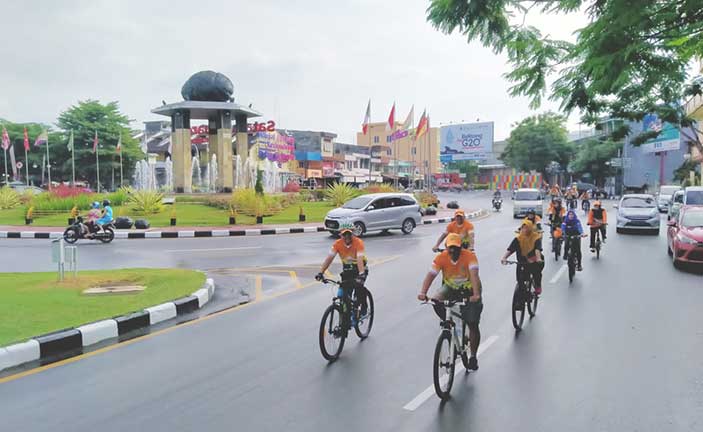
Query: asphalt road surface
619,349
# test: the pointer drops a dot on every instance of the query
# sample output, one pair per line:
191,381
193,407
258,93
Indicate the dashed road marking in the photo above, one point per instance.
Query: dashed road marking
559,274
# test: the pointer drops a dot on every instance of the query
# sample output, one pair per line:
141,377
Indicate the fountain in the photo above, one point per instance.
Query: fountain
238,174
196,173
144,176
212,173
168,186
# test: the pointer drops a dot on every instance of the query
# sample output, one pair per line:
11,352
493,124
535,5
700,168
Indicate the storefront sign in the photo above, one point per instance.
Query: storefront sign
199,134
275,146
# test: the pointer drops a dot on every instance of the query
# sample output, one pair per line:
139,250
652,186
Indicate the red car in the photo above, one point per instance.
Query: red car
685,236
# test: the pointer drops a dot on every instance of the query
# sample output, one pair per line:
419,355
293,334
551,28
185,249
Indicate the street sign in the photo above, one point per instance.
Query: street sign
616,162
19,165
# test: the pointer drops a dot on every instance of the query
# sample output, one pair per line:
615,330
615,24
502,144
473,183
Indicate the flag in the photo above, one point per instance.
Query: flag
422,125
391,119
95,142
70,142
42,138
367,118
410,119
119,144
26,140
5,139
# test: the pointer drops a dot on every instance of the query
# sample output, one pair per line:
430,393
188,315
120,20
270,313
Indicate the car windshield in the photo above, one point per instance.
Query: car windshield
692,219
638,202
357,203
527,196
694,198
678,197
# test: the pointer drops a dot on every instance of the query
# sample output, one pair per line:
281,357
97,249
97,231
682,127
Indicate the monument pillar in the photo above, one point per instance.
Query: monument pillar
180,152
221,146
242,137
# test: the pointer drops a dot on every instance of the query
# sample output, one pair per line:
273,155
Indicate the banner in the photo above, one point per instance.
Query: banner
275,146
668,138
470,141
515,181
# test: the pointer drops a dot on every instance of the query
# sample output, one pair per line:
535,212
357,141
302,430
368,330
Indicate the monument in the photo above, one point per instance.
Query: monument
207,96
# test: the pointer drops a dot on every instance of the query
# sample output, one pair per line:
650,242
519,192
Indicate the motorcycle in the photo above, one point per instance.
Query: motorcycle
497,203
79,230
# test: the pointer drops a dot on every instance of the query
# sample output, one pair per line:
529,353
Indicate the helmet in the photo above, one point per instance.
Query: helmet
346,227
460,212
106,202
557,200
95,205
597,203
453,239
531,212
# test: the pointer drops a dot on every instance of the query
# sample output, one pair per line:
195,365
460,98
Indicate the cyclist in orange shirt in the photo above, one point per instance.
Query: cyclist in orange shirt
354,270
460,226
597,219
460,280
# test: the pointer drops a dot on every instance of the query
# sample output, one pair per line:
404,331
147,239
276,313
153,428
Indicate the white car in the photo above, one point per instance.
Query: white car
693,195
664,197
525,200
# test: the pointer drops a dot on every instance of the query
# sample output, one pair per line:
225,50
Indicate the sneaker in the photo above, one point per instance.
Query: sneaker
579,268
473,363
538,290
565,257
593,249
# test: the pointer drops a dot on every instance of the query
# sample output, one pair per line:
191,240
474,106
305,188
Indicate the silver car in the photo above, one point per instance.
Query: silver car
376,212
637,212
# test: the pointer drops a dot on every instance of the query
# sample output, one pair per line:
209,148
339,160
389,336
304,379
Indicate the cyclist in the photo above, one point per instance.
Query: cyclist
597,218
570,197
556,213
535,220
571,227
528,248
460,280
555,191
585,199
460,226
354,271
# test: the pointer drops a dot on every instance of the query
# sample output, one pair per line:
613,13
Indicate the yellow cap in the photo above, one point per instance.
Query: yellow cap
460,212
453,240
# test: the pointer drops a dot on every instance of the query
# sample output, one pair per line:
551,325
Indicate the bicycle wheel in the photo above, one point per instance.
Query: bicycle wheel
572,267
332,334
465,345
598,249
444,363
557,250
364,324
532,300
518,308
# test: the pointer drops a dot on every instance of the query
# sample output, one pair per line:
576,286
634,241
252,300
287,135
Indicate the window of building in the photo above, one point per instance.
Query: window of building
388,152
414,150
388,138
375,139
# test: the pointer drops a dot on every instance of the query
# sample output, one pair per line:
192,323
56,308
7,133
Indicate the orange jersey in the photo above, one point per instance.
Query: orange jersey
464,230
348,253
600,214
552,209
455,274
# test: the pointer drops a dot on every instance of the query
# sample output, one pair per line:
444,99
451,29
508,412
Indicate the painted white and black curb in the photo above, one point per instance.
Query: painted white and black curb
70,342
207,233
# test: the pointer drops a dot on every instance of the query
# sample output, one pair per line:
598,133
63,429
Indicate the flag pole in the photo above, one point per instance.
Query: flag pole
97,165
7,175
73,161
48,161
121,178
26,165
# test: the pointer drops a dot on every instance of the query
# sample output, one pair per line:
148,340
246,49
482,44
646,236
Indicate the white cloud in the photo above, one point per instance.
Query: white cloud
307,64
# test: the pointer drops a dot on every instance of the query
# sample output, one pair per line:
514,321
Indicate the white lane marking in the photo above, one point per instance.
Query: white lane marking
559,274
429,391
213,249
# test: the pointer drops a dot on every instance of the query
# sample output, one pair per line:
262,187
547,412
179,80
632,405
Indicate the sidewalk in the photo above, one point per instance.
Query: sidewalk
43,232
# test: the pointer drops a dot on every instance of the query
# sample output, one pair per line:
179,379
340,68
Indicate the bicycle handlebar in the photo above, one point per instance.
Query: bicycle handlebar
326,281
445,303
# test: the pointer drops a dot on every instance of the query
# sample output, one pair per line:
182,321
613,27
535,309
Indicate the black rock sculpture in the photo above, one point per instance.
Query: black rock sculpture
208,86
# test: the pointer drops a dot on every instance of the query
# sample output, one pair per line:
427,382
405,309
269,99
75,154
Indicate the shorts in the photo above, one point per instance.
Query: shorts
471,313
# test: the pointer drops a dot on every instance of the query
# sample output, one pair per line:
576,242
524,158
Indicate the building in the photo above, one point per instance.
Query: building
352,164
314,151
415,159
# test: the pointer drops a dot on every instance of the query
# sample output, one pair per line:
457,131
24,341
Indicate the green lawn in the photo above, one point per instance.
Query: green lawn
187,214
32,304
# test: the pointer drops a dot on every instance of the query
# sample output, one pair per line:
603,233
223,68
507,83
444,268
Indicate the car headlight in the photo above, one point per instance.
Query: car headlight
683,239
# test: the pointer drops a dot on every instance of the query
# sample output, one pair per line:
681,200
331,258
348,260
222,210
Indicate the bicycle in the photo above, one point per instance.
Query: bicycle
585,206
571,258
347,311
597,243
449,347
556,241
524,295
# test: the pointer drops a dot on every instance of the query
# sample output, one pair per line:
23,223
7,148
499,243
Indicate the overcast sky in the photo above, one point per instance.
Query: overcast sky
306,64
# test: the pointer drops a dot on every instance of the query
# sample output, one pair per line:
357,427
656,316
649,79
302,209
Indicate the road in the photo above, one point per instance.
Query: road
618,349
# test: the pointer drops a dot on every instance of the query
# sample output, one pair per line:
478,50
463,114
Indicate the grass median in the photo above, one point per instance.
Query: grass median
32,304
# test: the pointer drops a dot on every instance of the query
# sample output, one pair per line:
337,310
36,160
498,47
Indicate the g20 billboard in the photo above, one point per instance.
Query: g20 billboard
469,141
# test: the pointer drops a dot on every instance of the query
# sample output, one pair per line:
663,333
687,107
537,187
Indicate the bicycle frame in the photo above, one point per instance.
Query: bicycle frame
452,310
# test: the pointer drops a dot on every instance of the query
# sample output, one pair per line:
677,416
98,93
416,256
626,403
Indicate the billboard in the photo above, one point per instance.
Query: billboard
668,138
469,141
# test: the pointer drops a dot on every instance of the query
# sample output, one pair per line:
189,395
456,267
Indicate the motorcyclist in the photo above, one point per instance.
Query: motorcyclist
572,227
93,216
106,214
497,198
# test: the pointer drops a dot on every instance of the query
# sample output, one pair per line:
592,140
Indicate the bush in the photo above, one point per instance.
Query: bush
146,202
291,186
482,186
9,198
65,191
259,186
380,188
248,202
339,193
426,199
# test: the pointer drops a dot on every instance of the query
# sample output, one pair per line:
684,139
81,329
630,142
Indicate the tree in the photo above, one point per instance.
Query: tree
35,155
84,119
592,158
629,61
537,141
467,167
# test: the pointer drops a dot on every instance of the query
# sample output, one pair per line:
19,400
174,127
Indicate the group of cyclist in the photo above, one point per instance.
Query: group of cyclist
458,262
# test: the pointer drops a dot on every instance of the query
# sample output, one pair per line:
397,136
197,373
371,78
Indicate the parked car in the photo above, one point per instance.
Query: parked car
664,198
693,195
637,212
376,212
685,236
675,205
527,199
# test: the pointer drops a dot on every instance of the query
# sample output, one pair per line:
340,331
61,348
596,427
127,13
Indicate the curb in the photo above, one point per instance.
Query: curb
70,342
207,233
